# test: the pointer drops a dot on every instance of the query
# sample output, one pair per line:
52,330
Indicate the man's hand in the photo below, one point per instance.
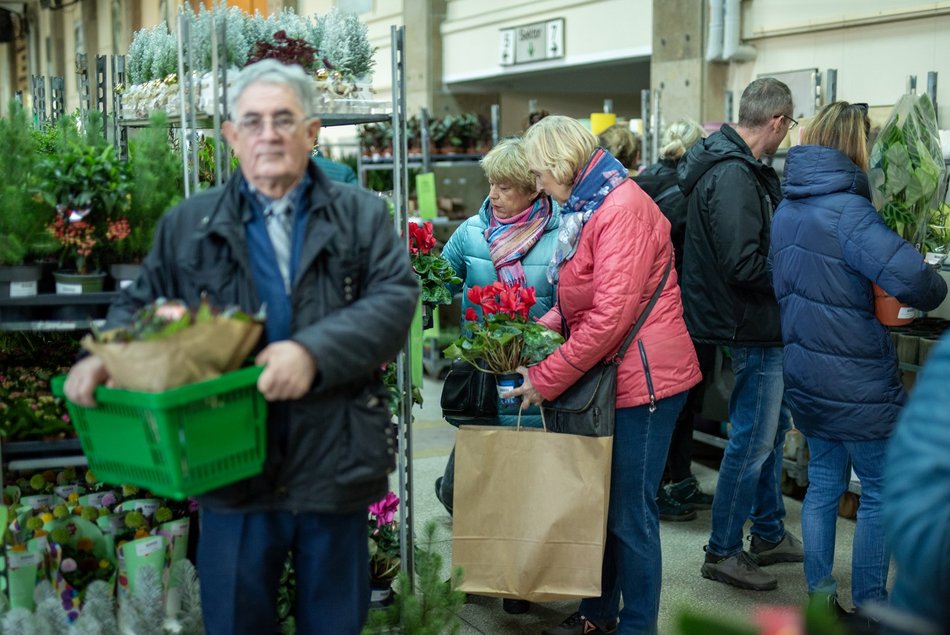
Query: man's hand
288,373
83,379
529,396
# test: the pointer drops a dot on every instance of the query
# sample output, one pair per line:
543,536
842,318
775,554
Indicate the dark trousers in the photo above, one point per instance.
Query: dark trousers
241,557
681,445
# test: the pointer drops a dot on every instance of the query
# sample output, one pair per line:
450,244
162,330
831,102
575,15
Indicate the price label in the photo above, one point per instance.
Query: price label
22,289
148,546
19,559
125,283
906,312
68,289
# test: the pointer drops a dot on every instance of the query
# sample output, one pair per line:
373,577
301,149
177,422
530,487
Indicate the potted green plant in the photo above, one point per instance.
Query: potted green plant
156,186
23,236
906,172
87,190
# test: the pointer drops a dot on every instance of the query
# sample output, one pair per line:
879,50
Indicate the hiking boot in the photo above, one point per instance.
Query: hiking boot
577,624
515,607
438,495
687,492
764,553
672,510
739,571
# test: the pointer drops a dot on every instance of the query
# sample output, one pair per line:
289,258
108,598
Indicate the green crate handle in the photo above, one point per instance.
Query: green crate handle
168,398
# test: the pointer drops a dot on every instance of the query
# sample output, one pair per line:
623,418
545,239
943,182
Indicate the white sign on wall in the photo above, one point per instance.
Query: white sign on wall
532,42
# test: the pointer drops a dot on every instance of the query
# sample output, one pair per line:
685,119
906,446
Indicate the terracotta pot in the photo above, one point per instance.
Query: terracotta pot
890,311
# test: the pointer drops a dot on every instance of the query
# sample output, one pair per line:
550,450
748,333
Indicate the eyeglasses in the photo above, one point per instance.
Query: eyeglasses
282,124
791,122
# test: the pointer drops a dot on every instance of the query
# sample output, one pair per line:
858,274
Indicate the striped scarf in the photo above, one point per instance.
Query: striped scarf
598,178
510,240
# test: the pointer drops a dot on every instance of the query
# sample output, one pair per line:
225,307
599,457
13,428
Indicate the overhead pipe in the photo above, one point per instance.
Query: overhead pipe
714,41
732,50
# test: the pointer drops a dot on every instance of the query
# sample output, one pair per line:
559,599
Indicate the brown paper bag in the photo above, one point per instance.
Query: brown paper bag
530,513
197,353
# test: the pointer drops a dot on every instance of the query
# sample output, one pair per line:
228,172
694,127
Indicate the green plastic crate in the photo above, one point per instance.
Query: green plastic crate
178,443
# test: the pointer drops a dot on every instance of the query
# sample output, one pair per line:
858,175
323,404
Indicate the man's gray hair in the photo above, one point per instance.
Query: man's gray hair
763,99
273,72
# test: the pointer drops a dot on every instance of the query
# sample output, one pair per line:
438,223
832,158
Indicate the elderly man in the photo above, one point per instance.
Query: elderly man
340,295
728,301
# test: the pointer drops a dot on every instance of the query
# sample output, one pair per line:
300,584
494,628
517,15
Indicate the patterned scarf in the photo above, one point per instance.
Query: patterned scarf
601,175
510,239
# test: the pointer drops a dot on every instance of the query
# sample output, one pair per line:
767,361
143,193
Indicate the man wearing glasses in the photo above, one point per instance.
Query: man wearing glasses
339,294
728,301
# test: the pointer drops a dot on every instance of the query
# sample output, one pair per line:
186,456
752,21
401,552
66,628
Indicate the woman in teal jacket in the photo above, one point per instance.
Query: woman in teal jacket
511,239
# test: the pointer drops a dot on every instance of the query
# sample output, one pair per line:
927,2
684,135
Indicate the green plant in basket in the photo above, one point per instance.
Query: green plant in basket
504,337
435,273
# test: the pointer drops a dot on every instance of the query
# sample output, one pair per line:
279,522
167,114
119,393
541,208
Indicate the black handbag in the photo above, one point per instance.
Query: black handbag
589,406
469,396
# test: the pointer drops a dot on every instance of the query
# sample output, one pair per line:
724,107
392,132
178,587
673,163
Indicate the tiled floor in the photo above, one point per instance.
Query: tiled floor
683,586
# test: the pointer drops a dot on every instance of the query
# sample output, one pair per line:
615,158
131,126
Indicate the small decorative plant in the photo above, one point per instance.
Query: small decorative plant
384,539
434,271
88,187
504,337
288,50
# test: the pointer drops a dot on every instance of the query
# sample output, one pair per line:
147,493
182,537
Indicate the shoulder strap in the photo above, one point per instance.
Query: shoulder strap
618,356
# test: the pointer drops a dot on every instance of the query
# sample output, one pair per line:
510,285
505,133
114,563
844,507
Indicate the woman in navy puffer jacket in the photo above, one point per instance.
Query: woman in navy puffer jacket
841,376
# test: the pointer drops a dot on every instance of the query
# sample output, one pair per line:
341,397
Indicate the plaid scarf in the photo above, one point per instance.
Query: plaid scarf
601,175
511,239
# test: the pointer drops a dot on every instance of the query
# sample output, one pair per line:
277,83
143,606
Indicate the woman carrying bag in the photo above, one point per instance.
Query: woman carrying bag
612,254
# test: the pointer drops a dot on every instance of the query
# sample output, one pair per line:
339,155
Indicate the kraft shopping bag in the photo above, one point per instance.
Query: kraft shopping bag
530,514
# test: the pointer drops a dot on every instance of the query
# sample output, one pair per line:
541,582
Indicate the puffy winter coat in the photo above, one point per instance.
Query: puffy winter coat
467,252
828,245
661,183
727,292
621,255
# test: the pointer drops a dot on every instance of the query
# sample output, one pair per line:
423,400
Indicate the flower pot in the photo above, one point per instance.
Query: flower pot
427,313
72,283
924,347
19,281
380,593
124,274
505,382
890,311
907,345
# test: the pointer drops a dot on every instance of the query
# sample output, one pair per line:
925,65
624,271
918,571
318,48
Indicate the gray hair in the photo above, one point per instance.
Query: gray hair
273,72
763,99
678,138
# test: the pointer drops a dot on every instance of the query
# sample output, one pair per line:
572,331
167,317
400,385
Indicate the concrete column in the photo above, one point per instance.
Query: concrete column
690,86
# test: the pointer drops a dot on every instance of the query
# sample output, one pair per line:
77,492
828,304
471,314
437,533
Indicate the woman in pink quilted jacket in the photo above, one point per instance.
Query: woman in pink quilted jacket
613,249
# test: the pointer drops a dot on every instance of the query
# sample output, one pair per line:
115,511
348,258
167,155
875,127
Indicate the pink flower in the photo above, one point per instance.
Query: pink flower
171,311
65,418
68,565
108,500
385,510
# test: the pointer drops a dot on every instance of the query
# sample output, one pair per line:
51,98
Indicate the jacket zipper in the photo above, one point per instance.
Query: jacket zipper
646,374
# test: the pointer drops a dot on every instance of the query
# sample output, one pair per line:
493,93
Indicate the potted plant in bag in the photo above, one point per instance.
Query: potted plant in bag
906,174
503,337
87,188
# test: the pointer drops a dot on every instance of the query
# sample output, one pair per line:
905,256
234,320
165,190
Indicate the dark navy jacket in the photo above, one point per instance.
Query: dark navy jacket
828,245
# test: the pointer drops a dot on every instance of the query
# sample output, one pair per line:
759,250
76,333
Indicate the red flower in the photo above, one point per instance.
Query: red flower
470,314
421,239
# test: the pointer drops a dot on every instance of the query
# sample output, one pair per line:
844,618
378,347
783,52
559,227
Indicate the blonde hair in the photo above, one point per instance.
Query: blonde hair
559,145
623,143
507,164
679,137
841,126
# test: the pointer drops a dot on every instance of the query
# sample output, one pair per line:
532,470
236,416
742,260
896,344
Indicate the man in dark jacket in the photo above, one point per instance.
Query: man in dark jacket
340,295
728,300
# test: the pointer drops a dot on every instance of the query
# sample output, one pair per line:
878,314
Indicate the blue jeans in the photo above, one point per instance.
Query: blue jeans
829,471
241,557
751,471
632,556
